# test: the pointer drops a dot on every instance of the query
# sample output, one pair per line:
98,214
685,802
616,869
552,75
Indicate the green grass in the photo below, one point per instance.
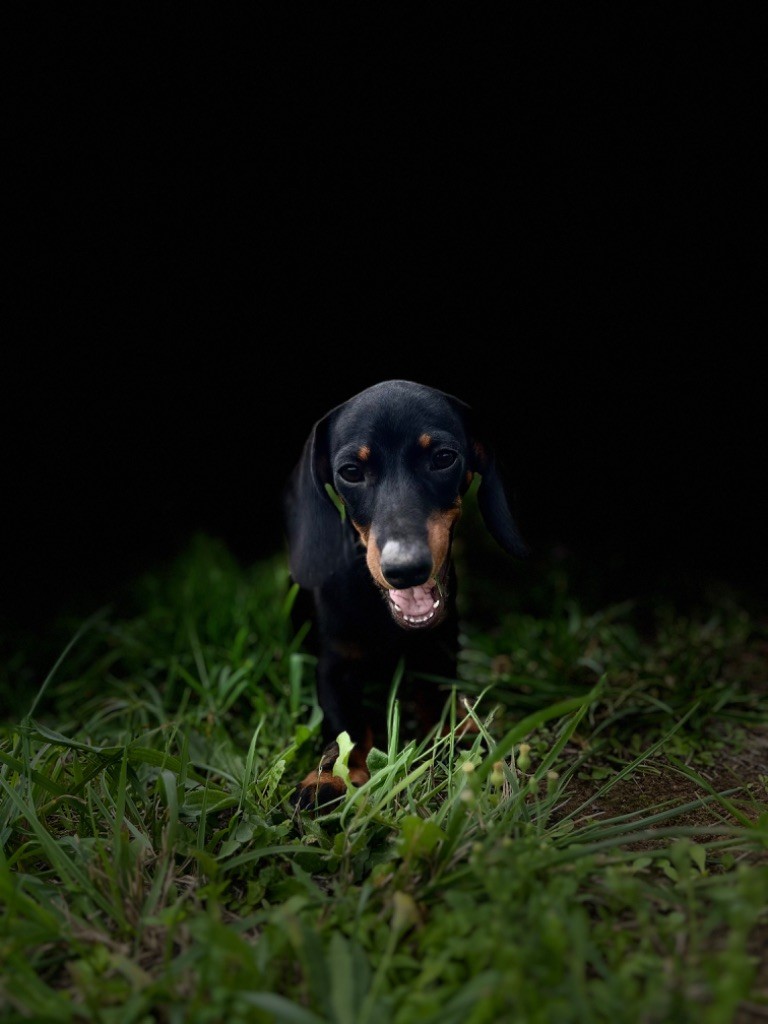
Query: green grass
597,852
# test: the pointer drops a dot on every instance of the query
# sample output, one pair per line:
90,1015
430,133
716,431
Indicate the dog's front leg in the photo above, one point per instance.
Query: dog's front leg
340,695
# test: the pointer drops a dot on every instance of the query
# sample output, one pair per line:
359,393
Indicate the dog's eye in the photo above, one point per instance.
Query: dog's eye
351,473
443,458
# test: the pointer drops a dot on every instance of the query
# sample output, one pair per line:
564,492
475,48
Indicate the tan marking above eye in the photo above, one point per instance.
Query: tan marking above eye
425,440
363,453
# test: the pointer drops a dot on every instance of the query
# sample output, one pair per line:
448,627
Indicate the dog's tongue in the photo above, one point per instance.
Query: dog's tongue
414,601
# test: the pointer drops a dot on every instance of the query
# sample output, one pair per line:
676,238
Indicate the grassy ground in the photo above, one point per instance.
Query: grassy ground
597,852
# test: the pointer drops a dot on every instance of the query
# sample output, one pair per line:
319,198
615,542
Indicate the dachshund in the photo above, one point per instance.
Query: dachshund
370,511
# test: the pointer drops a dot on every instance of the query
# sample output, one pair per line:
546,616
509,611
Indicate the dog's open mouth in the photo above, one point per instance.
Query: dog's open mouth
417,607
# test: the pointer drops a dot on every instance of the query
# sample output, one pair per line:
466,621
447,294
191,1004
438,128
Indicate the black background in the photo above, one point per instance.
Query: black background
218,233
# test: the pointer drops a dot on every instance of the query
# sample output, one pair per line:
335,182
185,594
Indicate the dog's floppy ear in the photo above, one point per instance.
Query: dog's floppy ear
491,494
317,536
493,504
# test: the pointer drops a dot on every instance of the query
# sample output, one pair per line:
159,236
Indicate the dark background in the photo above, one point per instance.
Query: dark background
217,237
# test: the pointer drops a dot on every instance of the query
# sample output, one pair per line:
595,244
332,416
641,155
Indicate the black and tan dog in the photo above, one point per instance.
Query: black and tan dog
399,457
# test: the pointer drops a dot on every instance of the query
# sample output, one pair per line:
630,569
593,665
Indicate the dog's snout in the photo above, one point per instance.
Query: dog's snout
405,564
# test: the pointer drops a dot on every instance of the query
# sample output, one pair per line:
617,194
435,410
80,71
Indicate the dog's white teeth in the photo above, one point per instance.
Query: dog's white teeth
436,603
417,620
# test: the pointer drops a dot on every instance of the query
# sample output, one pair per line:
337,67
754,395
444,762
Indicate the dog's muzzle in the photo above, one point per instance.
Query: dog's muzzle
417,597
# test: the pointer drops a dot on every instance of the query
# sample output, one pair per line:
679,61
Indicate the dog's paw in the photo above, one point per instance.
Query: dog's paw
321,788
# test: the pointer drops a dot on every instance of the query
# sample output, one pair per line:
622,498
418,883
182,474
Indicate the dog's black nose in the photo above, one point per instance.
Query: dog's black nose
405,564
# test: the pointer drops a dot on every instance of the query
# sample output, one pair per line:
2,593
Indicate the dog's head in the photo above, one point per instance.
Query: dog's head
398,457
